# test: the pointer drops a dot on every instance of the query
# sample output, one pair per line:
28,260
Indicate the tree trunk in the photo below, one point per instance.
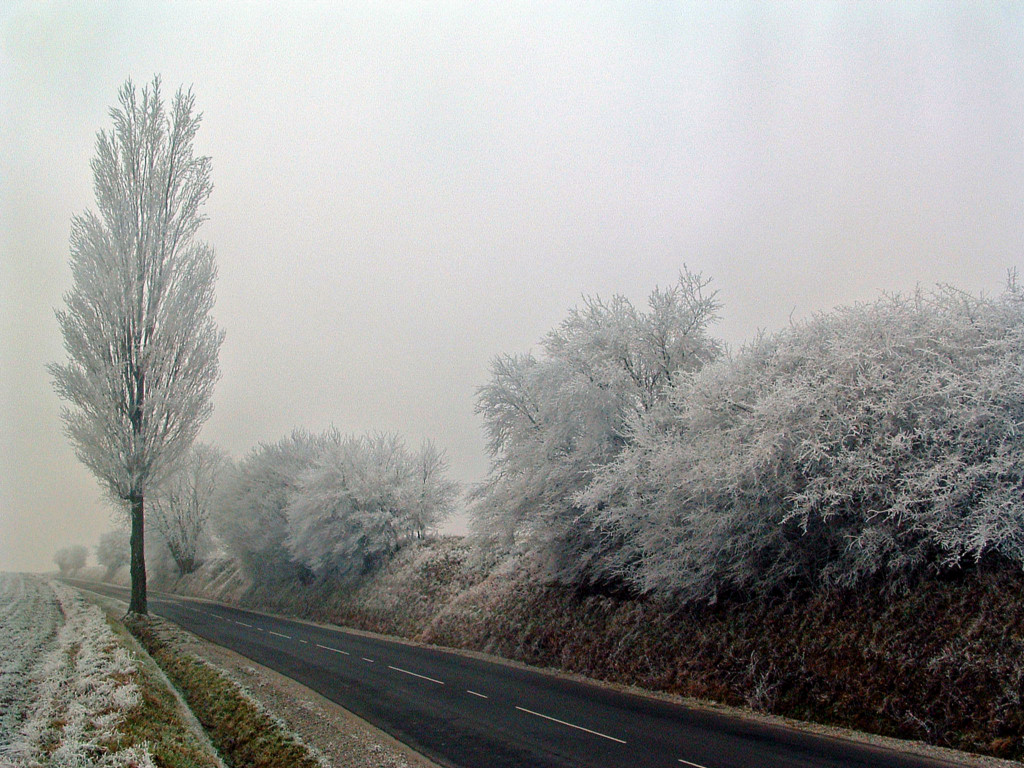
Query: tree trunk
138,559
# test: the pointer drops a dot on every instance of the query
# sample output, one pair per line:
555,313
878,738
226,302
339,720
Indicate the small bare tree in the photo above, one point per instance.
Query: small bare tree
181,510
142,348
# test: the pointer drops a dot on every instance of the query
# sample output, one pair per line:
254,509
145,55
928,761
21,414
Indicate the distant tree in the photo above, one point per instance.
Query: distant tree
142,347
160,563
431,493
181,508
362,498
71,559
113,551
553,419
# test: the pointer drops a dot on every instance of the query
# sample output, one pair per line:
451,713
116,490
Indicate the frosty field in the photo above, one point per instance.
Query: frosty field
29,618
65,681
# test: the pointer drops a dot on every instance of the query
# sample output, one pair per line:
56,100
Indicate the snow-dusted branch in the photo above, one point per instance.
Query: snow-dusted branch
553,419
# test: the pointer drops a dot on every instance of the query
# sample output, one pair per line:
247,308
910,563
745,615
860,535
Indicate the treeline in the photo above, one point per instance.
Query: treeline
307,507
634,453
883,440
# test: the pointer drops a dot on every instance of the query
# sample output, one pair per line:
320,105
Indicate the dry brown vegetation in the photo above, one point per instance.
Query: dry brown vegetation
943,664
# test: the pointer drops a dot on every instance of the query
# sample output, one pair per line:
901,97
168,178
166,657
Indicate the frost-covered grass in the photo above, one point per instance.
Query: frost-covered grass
244,732
29,618
400,598
67,705
76,697
75,689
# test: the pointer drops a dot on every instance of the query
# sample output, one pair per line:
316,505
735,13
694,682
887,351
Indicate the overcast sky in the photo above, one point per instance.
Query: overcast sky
404,191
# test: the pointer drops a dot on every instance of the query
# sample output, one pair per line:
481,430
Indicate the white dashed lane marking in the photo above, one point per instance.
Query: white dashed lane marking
477,694
571,725
421,677
687,762
286,637
336,650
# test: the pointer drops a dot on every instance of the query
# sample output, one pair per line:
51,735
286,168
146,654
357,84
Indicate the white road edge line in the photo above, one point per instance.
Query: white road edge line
286,637
336,650
477,694
687,762
570,725
422,677
243,624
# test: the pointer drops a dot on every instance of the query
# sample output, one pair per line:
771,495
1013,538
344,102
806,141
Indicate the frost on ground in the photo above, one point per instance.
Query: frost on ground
29,618
66,681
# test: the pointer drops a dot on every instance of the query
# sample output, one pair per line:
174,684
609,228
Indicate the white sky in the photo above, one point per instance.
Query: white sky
403,191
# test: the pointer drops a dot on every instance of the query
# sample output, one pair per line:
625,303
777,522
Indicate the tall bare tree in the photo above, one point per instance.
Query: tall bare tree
142,348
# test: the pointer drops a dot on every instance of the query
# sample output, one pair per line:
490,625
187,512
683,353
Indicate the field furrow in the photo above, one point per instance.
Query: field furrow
29,620
66,683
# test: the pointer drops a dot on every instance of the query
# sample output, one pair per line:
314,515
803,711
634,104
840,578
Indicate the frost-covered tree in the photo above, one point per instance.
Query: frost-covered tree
113,551
553,419
142,347
181,509
431,492
71,559
882,439
362,498
249,516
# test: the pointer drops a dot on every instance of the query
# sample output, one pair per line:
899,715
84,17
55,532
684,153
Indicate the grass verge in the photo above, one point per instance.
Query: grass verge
243,733
157,723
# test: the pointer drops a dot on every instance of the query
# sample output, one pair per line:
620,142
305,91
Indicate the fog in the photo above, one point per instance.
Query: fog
403,192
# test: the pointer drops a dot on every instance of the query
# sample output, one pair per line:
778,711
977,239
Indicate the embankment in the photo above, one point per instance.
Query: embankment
943,663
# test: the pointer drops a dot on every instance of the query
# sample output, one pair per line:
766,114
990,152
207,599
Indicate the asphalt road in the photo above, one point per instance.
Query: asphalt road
472,713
